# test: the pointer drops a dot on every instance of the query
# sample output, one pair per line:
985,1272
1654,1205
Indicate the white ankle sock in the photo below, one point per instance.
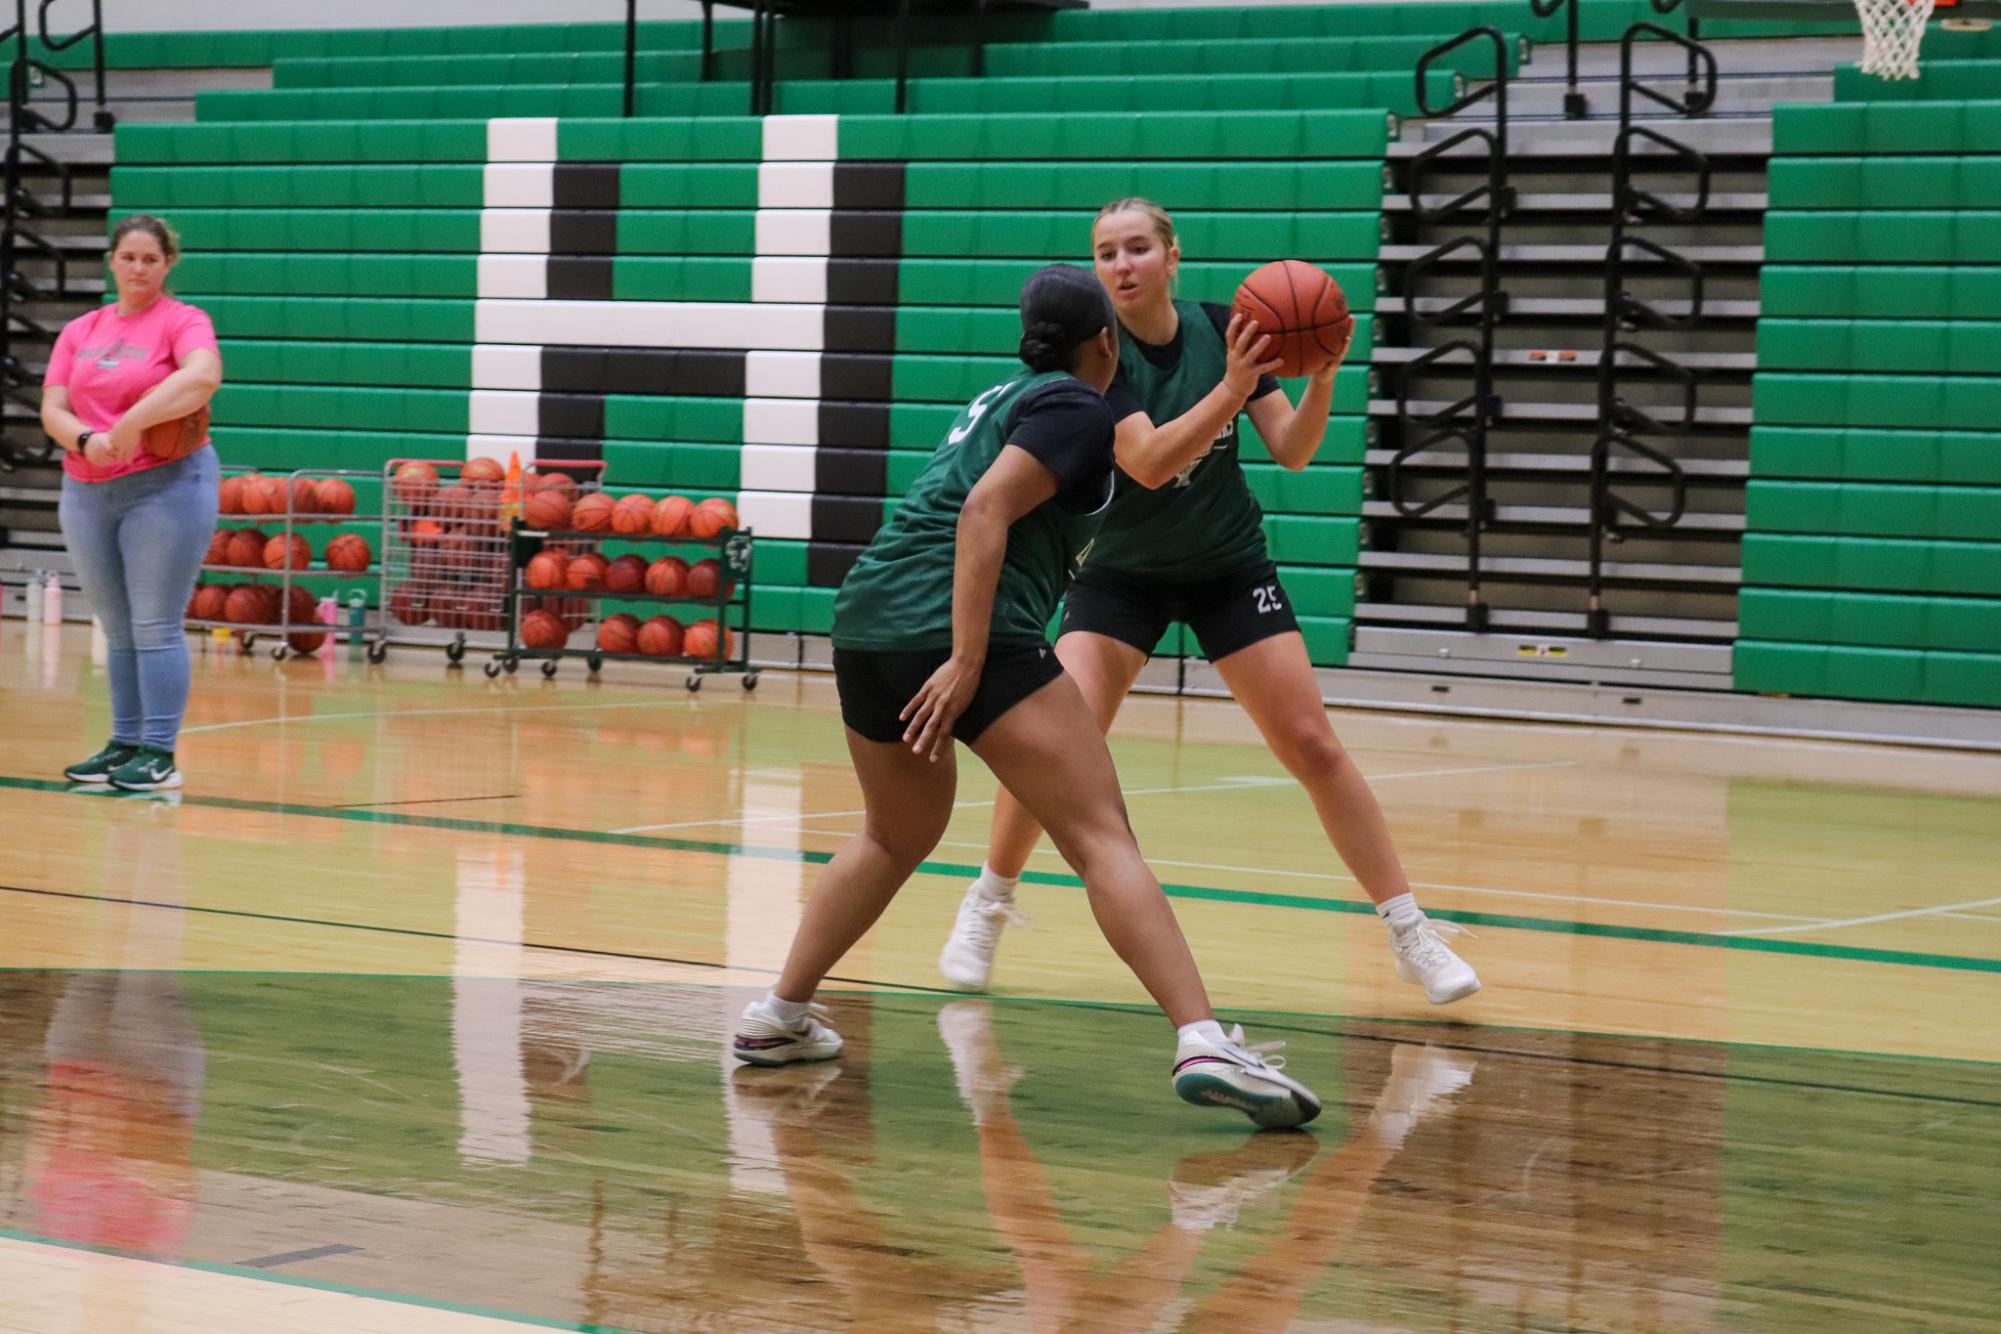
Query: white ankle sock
785,1011
1206,1029
1400,912
996,886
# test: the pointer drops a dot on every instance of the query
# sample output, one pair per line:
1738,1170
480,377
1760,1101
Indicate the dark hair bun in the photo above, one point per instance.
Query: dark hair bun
1062,307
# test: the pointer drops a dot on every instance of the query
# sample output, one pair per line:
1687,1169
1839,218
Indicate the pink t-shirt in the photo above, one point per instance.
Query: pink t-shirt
109,360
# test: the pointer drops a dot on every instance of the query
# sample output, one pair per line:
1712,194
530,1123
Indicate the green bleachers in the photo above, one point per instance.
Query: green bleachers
1872,550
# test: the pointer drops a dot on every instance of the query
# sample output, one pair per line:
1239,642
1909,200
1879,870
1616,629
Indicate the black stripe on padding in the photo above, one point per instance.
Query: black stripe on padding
862,282
548,448
868,185
859,329
643,370
850,472
827,563
579,277
582,232
863,376
575,416
854,425
846,518
586,185
868,233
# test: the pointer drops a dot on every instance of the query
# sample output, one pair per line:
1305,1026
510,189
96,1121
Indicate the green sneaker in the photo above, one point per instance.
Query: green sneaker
148,770
97,769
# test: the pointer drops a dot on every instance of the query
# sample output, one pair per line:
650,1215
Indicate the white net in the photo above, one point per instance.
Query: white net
1891,31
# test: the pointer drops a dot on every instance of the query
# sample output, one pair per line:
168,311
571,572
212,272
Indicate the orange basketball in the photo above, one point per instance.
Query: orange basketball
627,574
336,496
548,510
287,552
218,547
701,641
586,572
1301,308
246,549
546,569
480,507
302,610
592,513
415,482
705,580
723,510
561,483
210,599
666,577
704,521
305,496
451,504
619,634
483,470
244,605
632,514
250,494
229,496
543,630
408,604
277,495
670,516
349,553
661,637
178,438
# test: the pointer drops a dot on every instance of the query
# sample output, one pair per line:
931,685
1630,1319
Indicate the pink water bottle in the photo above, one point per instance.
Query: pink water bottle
52,601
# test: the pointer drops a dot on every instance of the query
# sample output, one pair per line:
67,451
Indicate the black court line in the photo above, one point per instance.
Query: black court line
295,1257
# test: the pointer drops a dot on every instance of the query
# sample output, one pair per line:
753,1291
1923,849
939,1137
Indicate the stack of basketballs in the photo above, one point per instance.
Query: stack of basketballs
452,538
281,502
568,572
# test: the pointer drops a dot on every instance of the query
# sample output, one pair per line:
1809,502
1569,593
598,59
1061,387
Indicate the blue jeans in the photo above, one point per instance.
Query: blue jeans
138,543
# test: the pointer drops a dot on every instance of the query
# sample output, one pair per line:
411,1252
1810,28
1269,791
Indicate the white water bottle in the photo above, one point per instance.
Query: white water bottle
52,601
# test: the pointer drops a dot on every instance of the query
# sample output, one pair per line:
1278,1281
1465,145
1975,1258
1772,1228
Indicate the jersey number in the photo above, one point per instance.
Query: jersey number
974,411
1268,599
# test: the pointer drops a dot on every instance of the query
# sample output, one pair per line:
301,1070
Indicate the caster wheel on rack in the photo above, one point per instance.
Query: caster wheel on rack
750,680
595,663
512,663
280,653
694,681
492,669
246,645
549,669
377,652
455,651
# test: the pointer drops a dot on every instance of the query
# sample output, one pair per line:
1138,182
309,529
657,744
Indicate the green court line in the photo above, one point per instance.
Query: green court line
1257,898
321,1284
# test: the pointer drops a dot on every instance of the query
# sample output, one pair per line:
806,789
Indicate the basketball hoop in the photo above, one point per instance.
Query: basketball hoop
1891,31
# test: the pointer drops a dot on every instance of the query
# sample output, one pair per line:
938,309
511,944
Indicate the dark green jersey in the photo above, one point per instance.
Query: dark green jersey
898,596
1204,522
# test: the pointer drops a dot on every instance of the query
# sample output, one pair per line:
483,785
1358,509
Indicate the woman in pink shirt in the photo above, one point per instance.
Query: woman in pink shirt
137,525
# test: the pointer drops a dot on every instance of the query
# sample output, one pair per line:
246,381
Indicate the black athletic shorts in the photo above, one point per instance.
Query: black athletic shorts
1227,613
874,687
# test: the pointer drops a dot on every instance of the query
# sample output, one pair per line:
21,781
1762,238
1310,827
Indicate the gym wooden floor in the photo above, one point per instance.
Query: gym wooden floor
409,1014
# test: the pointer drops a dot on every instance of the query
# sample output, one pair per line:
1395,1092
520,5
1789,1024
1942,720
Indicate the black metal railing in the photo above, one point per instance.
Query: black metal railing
1622,422
1468,420
1575,105
21,206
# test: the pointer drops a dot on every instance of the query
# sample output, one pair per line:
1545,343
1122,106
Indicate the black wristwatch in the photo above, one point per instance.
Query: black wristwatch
84,439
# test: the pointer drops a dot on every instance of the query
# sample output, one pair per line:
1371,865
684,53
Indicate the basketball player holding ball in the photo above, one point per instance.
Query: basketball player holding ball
1183,542
126,396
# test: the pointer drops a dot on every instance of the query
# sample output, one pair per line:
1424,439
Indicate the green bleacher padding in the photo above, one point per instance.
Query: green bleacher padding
1940,402
1319,186
1931,677
687,185
1881,291
361,319
1317,489
1964,236
436,185
680,278
1968,347
692,467
1963,458
287,449
1304,539
1602,20
326,407
250,48
410,365
316,142
480,102
429,231
1937,81
684,139
1252,237
1392,90
1120,136
1902,183
545,67
1884,127
1873,509
1328,639
1891,565
1319,590
781,561
981,282
1264,55
205,273
1884,620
